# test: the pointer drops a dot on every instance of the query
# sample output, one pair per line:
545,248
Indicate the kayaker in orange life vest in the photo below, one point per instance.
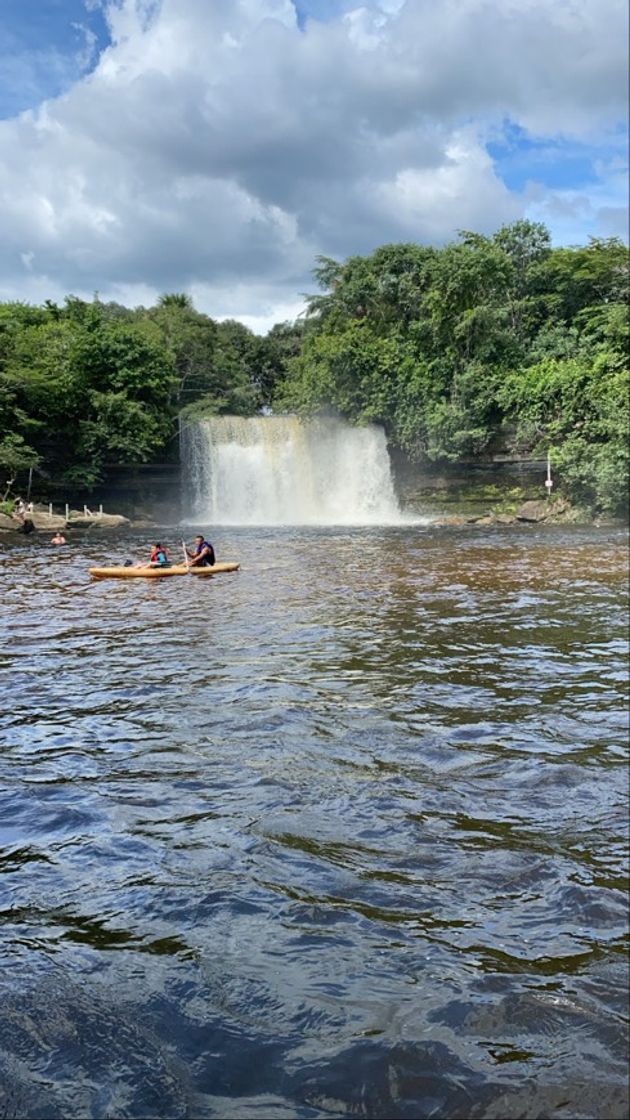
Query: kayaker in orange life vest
202,554
159,557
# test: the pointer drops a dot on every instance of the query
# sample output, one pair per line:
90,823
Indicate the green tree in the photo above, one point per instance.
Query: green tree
486,343
272,357
191,337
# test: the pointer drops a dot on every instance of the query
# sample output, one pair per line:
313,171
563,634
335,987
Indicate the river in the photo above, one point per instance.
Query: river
343,834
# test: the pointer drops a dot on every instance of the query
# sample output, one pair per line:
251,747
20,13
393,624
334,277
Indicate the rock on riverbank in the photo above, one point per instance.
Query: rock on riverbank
47,522
79,520
532,512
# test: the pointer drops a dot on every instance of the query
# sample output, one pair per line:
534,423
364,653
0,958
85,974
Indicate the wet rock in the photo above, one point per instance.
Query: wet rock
542,510
78,520
453,519
491,518
533,511
46,521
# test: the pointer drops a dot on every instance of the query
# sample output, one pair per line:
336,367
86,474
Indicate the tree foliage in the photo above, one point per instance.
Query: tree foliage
88,384
490,343
487,344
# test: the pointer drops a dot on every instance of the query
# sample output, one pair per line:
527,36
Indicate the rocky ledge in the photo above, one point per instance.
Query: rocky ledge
533,512
78,520
52,522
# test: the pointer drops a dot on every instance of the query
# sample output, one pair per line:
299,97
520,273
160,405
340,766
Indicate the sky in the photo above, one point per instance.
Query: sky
217,147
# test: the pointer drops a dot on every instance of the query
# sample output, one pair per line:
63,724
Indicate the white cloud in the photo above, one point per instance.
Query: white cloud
255,305
217,148
463,190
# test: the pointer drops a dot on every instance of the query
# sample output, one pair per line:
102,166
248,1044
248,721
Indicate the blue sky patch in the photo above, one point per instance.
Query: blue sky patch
321,10
555,163
46,46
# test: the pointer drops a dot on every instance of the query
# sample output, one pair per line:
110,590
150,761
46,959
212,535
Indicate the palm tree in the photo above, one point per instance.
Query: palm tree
176,299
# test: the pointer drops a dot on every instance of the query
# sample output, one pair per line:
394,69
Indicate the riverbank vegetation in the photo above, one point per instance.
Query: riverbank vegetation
88,384
488,345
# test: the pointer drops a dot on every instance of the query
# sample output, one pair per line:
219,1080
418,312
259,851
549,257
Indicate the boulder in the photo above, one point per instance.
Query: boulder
542,509
78,520
46,521
110,521
7,522
537,510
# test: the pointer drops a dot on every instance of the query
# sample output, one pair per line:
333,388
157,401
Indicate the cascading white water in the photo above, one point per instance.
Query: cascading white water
279,470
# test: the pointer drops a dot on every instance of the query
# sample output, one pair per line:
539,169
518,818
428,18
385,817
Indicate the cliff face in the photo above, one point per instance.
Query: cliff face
152,491
469,489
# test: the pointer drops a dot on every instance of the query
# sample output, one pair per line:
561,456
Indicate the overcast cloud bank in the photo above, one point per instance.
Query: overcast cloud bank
217,148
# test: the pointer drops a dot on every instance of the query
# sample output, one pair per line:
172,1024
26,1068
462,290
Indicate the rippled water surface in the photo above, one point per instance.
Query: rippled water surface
343,834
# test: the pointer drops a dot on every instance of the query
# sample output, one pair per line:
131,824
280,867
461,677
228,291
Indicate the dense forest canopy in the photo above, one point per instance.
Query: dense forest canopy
488,344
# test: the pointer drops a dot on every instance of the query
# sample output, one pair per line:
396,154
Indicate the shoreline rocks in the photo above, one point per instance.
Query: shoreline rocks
542,509
45,522
78,520
535,512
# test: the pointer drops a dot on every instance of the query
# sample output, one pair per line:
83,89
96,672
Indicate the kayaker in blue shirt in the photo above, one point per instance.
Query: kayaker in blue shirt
202,552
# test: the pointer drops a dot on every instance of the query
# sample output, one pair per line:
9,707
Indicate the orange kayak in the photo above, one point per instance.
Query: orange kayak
121,572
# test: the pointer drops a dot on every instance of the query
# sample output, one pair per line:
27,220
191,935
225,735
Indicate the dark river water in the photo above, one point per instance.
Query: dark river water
341,835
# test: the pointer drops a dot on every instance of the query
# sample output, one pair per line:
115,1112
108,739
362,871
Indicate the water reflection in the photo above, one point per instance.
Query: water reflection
344,834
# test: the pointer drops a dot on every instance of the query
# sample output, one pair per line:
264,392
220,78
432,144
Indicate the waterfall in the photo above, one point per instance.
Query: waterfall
279,470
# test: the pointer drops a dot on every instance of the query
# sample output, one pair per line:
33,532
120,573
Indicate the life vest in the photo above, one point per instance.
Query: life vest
159,556
208,560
